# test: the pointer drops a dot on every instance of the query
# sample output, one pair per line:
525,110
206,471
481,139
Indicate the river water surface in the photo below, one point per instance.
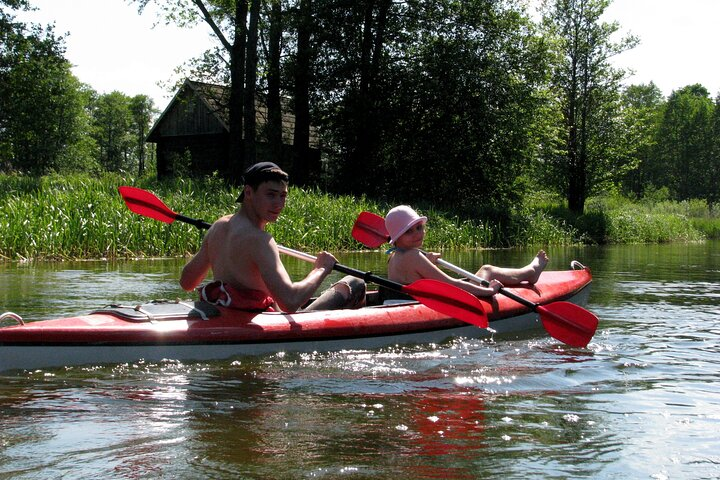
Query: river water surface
642,401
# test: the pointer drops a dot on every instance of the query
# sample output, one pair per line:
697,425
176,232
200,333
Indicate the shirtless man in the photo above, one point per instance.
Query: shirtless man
409,263
245,260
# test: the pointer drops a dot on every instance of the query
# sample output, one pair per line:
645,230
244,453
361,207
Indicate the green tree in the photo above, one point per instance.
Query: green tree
714,166
641,109
430,100
588,88
228,64
41,102
113,133
142,109
685,144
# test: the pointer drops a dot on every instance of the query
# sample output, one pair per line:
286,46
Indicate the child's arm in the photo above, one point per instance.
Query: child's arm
425,268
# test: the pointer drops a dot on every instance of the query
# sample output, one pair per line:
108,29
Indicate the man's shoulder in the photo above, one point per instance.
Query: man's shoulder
246,231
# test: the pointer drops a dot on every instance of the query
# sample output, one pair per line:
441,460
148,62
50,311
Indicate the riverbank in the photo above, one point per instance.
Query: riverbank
70,217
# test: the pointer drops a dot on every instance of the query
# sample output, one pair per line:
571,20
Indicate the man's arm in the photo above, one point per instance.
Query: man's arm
290,296
196,269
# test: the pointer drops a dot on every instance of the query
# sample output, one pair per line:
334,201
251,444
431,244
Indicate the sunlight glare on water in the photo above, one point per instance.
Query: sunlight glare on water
641,401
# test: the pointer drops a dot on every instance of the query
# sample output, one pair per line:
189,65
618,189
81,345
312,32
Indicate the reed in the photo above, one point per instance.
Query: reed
615,219
79,216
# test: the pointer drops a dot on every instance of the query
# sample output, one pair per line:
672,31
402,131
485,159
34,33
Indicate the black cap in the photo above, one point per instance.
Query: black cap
254,174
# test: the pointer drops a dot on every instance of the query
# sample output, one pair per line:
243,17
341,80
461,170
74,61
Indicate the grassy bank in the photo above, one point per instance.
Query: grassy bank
82,217
615,219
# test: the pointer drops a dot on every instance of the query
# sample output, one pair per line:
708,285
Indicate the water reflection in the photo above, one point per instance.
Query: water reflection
642,401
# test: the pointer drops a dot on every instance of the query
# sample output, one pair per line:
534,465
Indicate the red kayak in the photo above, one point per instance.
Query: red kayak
198,331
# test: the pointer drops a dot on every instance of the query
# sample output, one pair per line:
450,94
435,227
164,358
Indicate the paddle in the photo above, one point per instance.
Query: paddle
565,321
446,299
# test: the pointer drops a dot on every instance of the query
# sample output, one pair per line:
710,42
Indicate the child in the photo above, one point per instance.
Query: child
409,263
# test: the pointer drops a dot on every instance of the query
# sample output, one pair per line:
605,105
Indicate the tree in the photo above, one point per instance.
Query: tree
641,108
41,102
235,63
273,132
142,110
588,88
685,145
430,100
112,132
302,75
714,166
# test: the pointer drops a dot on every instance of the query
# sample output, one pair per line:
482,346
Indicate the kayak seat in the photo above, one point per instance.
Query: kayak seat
159,310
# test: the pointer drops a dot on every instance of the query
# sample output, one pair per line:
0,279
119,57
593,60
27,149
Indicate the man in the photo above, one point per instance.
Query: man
246,262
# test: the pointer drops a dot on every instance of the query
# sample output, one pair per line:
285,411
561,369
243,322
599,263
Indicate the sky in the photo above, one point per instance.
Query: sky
678,42
112,47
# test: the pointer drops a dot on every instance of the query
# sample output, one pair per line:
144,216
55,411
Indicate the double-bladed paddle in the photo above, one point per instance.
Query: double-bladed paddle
565,321
446,299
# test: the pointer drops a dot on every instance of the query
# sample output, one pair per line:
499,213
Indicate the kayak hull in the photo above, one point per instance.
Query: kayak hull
130,334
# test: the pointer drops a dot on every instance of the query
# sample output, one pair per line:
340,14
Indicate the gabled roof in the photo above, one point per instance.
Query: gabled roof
196,108
201,108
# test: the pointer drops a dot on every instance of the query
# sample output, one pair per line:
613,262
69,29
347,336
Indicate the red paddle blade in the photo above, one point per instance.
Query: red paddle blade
146,204
569,323
369,229
449,300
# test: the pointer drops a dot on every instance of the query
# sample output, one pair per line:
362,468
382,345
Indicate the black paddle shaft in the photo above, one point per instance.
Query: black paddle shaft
367,276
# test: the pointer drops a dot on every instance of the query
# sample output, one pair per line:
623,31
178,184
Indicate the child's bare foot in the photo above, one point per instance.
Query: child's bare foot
538,265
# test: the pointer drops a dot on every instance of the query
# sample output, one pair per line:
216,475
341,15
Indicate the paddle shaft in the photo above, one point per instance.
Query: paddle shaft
482,281
194,221
524,301
451,301
367,276
563,320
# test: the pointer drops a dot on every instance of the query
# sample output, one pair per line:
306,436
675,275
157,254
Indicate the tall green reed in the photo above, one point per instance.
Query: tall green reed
79,216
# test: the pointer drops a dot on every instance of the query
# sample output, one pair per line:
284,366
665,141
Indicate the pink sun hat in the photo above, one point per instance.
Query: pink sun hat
400,219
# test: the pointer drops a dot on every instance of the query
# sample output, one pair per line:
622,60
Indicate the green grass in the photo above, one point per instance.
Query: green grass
63,217
614,219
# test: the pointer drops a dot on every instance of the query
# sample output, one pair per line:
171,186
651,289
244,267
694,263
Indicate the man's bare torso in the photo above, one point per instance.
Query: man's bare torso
233,244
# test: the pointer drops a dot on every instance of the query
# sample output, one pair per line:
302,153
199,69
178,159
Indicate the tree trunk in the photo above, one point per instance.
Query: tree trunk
273,127
141,151
363,154
250,124
301,134
236,163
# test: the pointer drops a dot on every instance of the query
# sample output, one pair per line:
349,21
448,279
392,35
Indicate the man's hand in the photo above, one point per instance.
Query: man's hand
325,261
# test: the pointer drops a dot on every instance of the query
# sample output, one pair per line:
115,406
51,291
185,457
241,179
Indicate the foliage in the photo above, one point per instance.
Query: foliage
465,107
684,154
447,109
641,109
624,221
82,216
41,103
50,122
587,87
111,130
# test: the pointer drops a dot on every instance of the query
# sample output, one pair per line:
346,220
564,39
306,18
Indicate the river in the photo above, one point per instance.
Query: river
642,401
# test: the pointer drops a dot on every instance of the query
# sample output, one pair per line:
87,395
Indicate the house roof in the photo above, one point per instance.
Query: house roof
199,108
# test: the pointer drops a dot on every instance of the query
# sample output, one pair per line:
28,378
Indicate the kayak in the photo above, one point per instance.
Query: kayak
189,330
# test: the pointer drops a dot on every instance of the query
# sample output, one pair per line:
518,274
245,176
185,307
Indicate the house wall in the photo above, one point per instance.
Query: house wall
197,154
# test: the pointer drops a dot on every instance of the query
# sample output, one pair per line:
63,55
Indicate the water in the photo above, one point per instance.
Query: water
642,401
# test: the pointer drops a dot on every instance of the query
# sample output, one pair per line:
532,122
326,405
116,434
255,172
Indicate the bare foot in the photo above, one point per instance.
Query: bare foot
538,265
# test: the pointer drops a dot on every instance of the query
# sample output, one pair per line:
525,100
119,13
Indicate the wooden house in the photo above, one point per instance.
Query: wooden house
192,134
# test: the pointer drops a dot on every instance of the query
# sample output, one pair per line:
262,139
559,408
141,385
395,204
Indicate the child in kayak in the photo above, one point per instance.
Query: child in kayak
245,259
409,263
